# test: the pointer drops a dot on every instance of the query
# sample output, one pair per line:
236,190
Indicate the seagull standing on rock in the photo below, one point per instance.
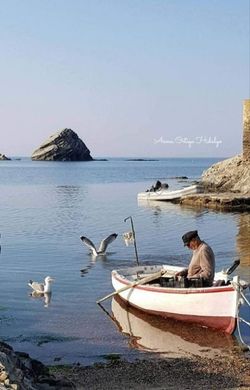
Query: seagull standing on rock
103,245
42,288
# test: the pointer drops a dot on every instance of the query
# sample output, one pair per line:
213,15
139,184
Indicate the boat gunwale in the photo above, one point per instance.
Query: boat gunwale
173,290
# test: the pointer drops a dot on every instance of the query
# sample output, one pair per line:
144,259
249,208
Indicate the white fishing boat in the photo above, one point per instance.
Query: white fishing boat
165,194
214,307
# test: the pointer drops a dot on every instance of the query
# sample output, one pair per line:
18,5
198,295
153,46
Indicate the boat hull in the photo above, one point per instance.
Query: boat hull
213,307
169,195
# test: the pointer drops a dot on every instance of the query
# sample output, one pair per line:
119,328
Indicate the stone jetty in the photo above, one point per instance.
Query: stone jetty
64,145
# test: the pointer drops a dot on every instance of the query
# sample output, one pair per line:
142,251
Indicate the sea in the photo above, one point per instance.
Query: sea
44,209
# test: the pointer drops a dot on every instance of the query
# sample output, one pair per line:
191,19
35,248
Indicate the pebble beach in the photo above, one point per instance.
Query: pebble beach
196,373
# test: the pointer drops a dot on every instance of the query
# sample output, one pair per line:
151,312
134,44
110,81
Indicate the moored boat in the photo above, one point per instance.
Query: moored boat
165,194
214,307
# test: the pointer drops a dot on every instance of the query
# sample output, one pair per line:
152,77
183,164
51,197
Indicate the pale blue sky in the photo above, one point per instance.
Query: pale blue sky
124,73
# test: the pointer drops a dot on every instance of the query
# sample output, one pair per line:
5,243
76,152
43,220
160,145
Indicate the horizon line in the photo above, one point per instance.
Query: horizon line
129,157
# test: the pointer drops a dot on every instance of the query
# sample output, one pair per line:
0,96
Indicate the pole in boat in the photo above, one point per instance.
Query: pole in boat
135,283
133,231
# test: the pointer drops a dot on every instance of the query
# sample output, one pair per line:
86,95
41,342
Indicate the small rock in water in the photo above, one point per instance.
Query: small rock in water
4,158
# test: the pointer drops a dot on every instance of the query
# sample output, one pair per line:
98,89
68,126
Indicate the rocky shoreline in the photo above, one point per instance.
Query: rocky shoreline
224,186
19,372
230,175
227,201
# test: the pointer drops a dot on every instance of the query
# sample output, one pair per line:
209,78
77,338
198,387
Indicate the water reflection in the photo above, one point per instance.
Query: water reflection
45,297
167,337
243,238
85,271
161,207
69,193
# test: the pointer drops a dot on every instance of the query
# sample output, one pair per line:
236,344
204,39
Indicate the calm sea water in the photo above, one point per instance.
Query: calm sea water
44,209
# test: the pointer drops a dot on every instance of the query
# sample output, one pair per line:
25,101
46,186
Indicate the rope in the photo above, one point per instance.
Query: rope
246,322
238,328
245,299
239,288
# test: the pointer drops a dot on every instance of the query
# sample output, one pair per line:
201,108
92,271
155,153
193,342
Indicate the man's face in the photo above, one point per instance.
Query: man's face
192,245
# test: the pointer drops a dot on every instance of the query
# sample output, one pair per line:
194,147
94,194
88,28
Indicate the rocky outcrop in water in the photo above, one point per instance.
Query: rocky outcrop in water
231,175
3,157
65,145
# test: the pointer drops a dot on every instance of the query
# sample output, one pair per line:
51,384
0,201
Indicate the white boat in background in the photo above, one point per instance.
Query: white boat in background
165,194
214,307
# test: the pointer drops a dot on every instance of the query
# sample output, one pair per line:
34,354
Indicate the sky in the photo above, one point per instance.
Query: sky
152,78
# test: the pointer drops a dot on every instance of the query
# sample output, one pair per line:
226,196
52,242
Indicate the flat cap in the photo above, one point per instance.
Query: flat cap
187,237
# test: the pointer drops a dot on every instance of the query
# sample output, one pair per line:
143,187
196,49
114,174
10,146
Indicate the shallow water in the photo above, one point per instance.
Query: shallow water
45,208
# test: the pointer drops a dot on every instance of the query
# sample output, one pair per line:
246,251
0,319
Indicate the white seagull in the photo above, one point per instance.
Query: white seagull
42,288
103,245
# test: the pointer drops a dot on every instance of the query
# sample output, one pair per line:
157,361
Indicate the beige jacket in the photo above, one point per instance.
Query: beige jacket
202,264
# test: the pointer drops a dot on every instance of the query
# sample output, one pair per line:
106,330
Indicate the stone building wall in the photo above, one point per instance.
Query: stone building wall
246,129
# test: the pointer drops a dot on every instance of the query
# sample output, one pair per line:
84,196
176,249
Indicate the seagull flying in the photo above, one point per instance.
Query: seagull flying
42,288
103,245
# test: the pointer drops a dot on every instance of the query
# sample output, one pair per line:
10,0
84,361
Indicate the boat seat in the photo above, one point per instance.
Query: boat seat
218,283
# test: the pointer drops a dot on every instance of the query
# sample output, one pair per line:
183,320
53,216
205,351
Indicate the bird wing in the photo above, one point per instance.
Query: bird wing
38,287
106,242
89,244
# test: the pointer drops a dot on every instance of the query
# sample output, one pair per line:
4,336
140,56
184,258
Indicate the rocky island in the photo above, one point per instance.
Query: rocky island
4,158
64,145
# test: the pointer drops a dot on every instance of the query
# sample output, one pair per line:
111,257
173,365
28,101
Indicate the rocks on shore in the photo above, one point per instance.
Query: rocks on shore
64,145
231,175
225,201
226,187
4,158
19,372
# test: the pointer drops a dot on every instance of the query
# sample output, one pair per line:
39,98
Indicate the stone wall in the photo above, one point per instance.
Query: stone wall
246,129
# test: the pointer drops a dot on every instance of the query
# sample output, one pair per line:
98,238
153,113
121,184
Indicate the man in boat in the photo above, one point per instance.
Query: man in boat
158,186
202,265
